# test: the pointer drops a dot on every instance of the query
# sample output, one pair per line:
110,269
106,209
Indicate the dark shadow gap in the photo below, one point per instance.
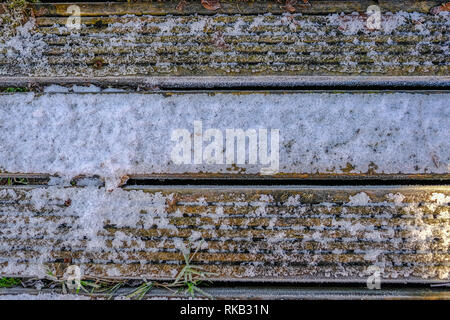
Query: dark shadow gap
355,181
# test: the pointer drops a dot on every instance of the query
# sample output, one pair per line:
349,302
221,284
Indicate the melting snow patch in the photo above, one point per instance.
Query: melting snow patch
359,199
440,198
397,198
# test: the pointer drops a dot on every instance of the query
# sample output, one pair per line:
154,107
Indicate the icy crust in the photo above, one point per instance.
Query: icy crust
401,238
111,135
41,51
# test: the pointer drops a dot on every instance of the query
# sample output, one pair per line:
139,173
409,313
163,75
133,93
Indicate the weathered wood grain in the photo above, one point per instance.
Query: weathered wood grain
226,45
231,7
263,292
283,177
292,234
262,82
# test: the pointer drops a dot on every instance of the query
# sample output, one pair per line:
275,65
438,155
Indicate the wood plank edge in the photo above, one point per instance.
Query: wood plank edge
217,82
301,178
274,292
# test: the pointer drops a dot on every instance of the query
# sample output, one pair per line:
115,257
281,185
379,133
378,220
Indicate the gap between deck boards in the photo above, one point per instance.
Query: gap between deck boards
243,82
262,291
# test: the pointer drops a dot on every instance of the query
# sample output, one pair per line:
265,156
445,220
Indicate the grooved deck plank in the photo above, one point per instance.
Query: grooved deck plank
231,7
246,234
259,233
229,45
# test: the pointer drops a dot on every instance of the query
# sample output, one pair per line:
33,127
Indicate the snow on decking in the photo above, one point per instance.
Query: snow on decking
292,233
338,44
118,233
113,134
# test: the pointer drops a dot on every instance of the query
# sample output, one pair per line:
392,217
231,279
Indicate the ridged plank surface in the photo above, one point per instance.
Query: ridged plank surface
276,233
164,7
231,45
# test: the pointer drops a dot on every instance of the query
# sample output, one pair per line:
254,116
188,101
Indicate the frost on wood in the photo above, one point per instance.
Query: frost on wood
112,134
82,215
300,233
408,43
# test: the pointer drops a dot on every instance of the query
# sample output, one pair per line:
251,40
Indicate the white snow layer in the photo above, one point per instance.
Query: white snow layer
116,134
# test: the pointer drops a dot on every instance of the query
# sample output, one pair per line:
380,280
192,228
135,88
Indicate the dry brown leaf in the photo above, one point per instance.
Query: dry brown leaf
68,202
290,5
219,41
211,4
171,204
441,8
124,180
181,5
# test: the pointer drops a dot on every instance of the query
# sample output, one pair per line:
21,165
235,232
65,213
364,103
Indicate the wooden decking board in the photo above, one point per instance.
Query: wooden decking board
233,82
263,291
301,161
239,179
230,46
231,7
217,23
189,63
268,235
285,178
277,233
103,22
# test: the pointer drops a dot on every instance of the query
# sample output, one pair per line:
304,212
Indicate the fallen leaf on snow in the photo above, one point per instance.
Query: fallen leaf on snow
211,4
